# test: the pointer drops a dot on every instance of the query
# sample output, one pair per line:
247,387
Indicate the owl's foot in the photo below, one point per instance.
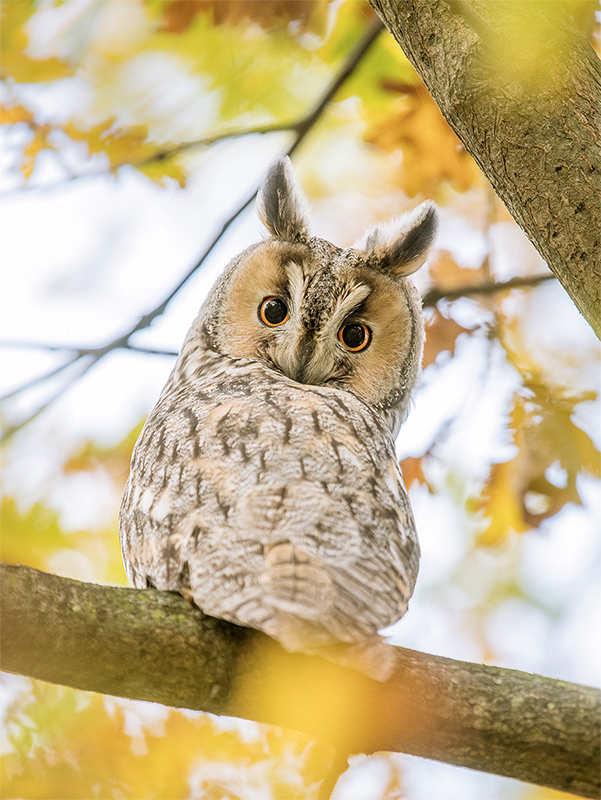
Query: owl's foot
186,593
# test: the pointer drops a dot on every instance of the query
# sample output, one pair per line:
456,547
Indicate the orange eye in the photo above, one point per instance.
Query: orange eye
273,312
355,336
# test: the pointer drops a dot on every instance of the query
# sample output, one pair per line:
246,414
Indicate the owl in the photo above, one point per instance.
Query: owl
264,485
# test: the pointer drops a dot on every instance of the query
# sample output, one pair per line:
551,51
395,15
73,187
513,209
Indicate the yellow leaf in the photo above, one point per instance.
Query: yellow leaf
432,153
16,63
502,507
10,115
541,478
38,143
161,170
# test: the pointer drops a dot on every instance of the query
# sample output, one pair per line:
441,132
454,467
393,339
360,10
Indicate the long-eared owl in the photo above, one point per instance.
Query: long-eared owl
264,484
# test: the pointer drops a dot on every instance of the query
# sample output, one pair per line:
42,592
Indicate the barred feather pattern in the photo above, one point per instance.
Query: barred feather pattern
265,484
280,507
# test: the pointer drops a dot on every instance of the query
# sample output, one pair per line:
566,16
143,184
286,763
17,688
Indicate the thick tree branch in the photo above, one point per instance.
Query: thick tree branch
521,88
152,645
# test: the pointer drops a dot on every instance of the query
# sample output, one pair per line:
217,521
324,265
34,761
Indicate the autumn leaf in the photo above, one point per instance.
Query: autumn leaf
11,115
70,744
412,471
160,170
310,15
34,147
121,144
446,273
541,478
432,153
441,335
31,537
16,62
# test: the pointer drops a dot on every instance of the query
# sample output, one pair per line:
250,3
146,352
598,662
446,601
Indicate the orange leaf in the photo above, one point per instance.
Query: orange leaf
441,335
519,493
411,469
432,153
311,15
447,274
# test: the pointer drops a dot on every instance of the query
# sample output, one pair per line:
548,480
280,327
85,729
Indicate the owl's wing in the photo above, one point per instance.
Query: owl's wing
282,510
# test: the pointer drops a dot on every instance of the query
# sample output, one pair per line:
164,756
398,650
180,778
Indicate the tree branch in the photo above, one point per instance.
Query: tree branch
152,645
530,115
432,296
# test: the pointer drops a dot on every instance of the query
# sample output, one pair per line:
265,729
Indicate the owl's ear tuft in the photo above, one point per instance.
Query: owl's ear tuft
281,203
401,246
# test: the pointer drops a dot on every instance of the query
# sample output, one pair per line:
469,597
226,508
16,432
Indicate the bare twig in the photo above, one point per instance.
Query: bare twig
168,152
71,380
39,346
40,378
434,295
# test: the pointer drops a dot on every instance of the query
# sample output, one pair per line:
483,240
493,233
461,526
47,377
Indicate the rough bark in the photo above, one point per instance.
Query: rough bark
152,645
529,114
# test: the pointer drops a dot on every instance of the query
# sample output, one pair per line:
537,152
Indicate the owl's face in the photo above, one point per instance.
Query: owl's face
323,316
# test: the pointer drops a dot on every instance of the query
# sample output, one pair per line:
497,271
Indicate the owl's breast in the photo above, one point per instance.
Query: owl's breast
230,469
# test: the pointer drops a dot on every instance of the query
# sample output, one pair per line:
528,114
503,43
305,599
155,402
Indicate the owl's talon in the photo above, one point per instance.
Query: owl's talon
186,593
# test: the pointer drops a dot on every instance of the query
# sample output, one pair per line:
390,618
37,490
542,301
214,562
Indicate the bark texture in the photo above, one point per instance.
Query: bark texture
152,645
521,87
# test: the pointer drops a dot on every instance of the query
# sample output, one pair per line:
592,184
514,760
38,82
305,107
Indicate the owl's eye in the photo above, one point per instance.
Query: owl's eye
355,336
273,312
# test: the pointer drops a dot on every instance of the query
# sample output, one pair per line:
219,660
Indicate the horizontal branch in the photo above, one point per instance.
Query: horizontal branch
152,645
434,295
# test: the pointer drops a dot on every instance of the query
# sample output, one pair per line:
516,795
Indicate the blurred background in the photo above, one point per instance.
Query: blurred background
133,137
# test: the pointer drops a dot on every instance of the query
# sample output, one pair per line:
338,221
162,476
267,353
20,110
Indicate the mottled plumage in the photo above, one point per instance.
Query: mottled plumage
265,481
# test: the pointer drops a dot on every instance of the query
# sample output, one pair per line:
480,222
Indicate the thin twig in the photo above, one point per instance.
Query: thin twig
433,296
12,429
39,346
152,351
168,152
40,379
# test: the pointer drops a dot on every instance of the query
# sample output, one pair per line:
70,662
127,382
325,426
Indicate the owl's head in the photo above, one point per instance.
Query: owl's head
348,319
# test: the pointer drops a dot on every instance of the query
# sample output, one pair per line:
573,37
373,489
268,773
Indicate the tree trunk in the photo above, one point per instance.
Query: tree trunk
521,88
152,645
